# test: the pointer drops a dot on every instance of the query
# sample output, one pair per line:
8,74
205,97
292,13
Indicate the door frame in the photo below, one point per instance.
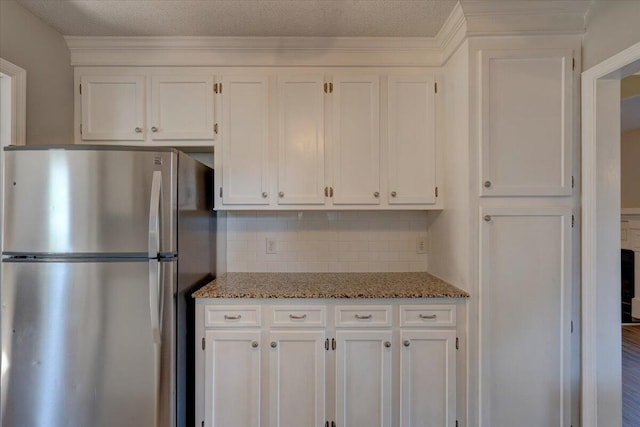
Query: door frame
601,386
18,100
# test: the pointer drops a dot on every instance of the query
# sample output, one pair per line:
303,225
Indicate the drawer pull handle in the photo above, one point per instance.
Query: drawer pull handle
298,316
237,317
428,316
363,317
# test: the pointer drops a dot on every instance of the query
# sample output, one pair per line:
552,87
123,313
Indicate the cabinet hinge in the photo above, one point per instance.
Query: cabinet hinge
457,343
80,88
220,191
435,87
333,343
436,191
573,182
573,221
204,343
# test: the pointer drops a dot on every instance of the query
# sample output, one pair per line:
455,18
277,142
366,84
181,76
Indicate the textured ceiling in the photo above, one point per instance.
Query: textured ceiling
261,18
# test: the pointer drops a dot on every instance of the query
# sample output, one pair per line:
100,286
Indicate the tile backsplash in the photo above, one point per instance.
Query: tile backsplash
314,241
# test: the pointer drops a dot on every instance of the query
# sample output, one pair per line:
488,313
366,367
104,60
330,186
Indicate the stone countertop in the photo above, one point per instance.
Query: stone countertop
329,285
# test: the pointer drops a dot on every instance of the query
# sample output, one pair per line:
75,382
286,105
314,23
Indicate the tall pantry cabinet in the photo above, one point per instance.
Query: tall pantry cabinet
523,98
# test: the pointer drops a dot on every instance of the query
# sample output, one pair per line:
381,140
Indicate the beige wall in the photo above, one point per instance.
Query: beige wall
28,42
612,26
630,169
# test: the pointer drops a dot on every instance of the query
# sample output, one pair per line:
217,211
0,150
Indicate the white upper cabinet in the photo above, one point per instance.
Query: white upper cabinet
113,108
245,140
182,107
175,109
412,140
356,140
526,122
301,149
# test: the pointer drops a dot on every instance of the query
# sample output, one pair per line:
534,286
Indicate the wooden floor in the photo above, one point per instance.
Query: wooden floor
631,376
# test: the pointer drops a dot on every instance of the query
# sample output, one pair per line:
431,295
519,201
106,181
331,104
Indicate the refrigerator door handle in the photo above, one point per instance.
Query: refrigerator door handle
154,214
154,299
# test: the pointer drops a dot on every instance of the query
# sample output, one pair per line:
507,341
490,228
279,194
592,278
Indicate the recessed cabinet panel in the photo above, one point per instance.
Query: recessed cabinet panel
356,140
524,312
301,141
181,107
113,108
232,379
427,378
245,140
412,140
363,379
526,122
297,378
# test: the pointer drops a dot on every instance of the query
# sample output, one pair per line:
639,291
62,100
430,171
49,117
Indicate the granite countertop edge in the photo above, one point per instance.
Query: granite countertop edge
329,286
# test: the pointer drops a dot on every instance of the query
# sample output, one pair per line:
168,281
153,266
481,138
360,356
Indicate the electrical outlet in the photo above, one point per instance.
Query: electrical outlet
421,245
271,246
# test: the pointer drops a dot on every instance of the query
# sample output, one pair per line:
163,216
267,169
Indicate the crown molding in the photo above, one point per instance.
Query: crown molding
539,17
467,19
253,51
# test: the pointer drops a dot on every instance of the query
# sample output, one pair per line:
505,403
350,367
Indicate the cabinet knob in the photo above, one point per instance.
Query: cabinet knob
254,344
264,194
394,194
487,184
274,344
376,194
154,129
281,194
487,218
406,343
387,344
138,130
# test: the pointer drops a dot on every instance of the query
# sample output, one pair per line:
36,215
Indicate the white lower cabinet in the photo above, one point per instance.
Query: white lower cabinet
294,366
232,378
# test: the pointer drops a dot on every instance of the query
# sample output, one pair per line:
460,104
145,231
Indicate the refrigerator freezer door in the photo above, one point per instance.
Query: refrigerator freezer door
82,201
78,347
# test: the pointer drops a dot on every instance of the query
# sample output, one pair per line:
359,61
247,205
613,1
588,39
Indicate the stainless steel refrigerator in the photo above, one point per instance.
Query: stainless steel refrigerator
102,247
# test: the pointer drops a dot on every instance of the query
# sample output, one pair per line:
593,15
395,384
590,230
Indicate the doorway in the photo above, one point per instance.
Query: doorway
601,257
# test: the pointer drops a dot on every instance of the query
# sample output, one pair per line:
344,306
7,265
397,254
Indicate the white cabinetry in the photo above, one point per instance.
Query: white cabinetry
526,122
311,369
152,108
113,108
525,285
412,140
301,145
245,140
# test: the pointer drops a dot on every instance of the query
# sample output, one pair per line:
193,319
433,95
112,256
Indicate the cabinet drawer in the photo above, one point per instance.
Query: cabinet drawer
363,316
427,315
232,316
298,316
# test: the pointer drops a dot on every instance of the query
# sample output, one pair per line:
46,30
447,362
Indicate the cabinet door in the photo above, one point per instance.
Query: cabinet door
297,378
181,107
113,108
232,379
427,379
524,317
526,122
301,140
245,140
363,378
412,140
356,140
